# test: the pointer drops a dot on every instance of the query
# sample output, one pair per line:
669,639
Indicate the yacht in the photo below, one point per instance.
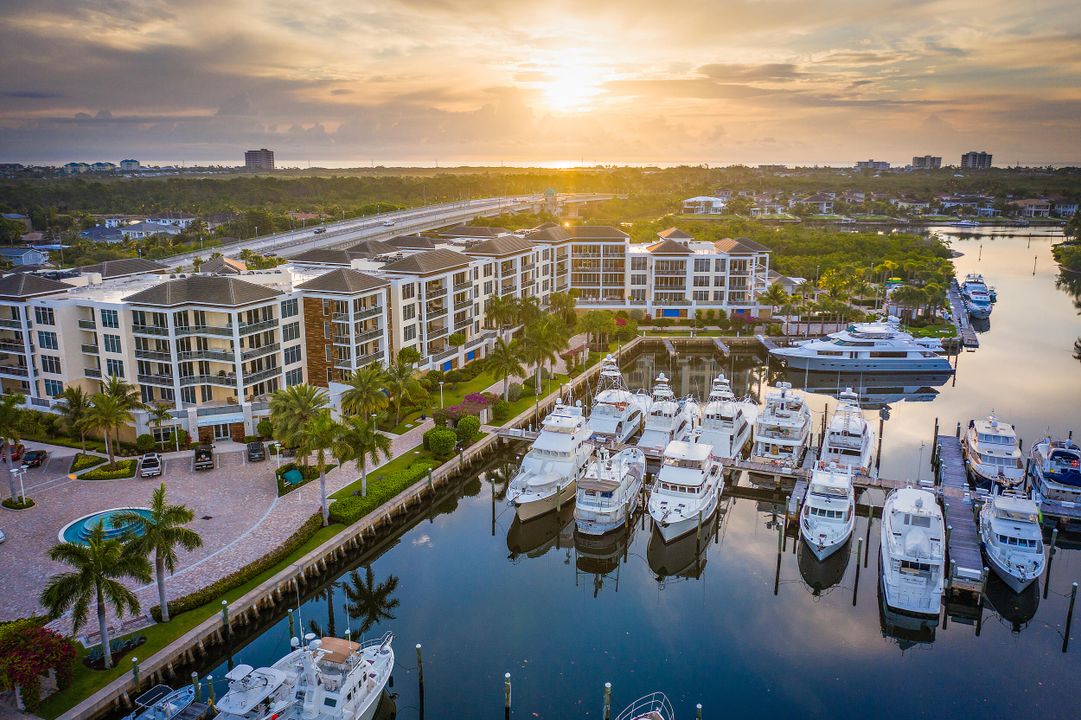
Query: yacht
783,429
1011,538
161,702
966,223
1056,473
687,489
992,453
828,515
553,464
617,412
325,679
654,706
609,491
976,296
668,419
912,553
727,422
850,440
867,347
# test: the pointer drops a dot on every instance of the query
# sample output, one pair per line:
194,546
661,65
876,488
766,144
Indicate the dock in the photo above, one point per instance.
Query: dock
194,711
721,347
960,316
967,575
670,347
766,342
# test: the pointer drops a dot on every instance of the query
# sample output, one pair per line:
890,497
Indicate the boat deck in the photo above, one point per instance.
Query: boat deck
194,711
960,316
966,572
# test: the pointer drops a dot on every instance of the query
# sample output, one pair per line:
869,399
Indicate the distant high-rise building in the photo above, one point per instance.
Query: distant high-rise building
872,165
261,159
926,162
974,160
129,165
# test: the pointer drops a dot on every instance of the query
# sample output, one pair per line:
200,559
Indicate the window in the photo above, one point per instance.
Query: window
292,355
54,388
110,319
291,331
638,279
718,265
112,343
638,263
701,280
294,377
44,316
409,312
290,308
701,265
187,394
50,364
701,295
409,291
147,393
114,368
410,332
47,340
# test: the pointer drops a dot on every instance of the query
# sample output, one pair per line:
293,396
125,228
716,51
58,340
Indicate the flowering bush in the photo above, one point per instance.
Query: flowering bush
28,651
479,399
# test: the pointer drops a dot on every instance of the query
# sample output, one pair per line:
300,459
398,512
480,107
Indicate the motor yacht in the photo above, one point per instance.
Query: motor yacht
617,413
687,489
1056,474
783,429
323,679
1011,538
828,515
609,491
654,706
976,296
912,553
161,702
727,422
866,348
850,440
992,453
668,419
549,471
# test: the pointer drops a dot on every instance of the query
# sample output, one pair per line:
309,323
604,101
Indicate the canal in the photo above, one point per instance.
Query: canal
725,628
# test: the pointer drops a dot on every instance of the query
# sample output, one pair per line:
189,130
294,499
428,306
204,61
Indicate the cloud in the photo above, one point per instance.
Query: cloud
733,72
31,94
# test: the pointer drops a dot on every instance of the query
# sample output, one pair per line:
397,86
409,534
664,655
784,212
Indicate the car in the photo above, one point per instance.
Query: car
204,457
3,537
256,452
319,230
150,465
35,458
17,451
388,223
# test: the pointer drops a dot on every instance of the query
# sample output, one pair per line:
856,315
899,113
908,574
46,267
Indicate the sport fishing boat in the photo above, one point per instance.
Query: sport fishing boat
912,553
867,347
654,706
687,489
609,491
668,419
976,296
828,515
783,428
161,702
1056,474
727,423
617,412
1011,538
849,440
992,453
549,471
325,679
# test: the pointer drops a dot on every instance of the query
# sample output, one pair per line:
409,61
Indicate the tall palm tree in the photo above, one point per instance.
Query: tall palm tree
293,407
110,414
528,310
504,360
317,436
774,297
98,568
359,440
127,397
74,408
159,414
369,601
563,305
403,386
365,394
162,532
11,415
500,311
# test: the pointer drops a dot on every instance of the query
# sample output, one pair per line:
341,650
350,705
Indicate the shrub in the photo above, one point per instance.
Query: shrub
380,489
774,329
481,400
453,377
18,504
251,438
264,428
467,428
441,442
500,411
662,322
180,437
528,385
145,443
119,469
82,461
456,339
514,392
308,472
28,651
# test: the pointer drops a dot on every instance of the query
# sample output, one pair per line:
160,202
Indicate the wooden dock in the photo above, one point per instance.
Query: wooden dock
766,342
721,347
195,711
960,316
967,574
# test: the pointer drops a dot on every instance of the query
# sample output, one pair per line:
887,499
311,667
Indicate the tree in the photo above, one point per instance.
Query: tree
11,418
317,436
98,568
599,324
504,360
500,311
11,231
75,408
368,601
110,414
365,394
359,440
127,397
409,356
563,306
774,297
456,339
403,386
293,407
162,532
538,345
159,415
738,206
528,310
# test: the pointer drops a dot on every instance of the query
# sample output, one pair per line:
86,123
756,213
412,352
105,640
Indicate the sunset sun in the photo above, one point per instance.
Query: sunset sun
571,87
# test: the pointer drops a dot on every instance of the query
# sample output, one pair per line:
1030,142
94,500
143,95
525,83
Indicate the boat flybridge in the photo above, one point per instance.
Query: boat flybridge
546,480
726,421
323,679
617,412
912,553
976,296
850,439
783,429
654,706
1012,539
867,347
687,489
1056,472
609,491
668,419
828,515
993,454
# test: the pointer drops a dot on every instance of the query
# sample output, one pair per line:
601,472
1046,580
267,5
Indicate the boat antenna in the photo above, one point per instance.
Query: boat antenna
300,616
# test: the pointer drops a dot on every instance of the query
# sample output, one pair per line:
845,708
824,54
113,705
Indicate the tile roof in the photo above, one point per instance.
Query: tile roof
123,267
741,246
426,263
371,248
500,246
219,290
344,280
222,265
326,256
473,231
412,241
21,285
550,233
674,233
669,247
597,232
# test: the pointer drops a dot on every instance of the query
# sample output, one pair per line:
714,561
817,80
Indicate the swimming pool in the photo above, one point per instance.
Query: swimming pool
79,530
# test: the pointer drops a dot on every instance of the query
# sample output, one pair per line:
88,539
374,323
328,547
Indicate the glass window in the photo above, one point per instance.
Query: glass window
409,311
112,343
290,308
410,332
47,340
50,364
294,377
409,291
114,368
292,355
291,331
53,388
110,319
44,316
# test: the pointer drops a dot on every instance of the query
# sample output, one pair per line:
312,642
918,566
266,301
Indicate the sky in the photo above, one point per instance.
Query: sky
487,81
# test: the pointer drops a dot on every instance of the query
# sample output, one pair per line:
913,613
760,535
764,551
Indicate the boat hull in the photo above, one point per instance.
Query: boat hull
1015,582
532,508
856,365
823,550
670,531
900,602
600,522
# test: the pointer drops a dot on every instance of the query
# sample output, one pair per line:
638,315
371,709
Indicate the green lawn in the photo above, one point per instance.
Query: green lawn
451,396
939,331
401,462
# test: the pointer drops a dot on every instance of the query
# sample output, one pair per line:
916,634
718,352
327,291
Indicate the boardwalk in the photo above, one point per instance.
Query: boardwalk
962,541
960,316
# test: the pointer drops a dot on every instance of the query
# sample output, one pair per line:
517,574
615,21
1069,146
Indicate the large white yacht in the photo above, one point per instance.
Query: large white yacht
976,296
993,454
1012,539
609,491
687,489
828,515
617,413
867,347
553,465
668,419
850,439
1056,473
783,428
326,679
912,553
726,422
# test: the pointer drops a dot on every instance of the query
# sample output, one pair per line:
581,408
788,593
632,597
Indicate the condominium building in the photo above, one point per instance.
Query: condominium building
259,160
974,160
926,162
872,165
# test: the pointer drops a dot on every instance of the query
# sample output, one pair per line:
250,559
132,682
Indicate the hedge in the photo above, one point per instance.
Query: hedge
214,590
310,472
467,429
350,509
10,504
120,469
82,461
441,442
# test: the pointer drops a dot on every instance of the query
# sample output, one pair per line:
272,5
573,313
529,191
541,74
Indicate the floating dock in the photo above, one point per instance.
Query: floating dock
960,316
966,569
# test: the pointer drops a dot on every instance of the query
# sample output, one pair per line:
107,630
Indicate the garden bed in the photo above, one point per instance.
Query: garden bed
307,472
82,461
10,504
117,471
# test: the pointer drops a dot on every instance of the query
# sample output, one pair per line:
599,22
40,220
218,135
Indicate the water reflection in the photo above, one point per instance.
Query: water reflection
534,538
600,558
822,576
1018,609
875,390
685,557
370,602
907,631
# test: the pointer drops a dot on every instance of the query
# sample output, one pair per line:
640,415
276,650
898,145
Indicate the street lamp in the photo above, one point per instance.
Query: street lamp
441,394
18,473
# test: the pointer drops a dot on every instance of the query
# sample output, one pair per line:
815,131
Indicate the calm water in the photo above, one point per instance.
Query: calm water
726,630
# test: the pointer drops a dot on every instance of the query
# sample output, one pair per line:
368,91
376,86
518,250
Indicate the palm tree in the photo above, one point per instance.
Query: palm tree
359,439
563,306
108,413
98,567
74,408
162,532
774,297
370,601
504,360
11,415
331,628
500,311
598,323
403,385
293,407
159,415
365,394
528,310
126,395
318,435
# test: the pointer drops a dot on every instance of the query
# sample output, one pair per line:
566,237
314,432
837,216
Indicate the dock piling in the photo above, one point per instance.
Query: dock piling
420,679
197,686
867,544
135,672
607,701
698,711
1069,617
856,584
292,627
506,696
210,690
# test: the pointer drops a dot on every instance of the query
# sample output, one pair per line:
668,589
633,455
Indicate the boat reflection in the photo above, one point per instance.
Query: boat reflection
874,390
907,631
534,538
686,557
1016,608
600,557
821,576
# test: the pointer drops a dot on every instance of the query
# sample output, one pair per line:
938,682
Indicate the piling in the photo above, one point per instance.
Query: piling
957,432
856,584
506,696
698,711
431,483
292,627
867,544
1069,617
1050,559
210,689
607,701
135,671
197,686
881,428
225,616
492,484
420,679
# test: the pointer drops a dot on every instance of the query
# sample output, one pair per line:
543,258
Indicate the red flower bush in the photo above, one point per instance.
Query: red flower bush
29,651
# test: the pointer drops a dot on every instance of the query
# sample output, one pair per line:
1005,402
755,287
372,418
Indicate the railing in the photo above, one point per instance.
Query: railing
225,330
155,379
220,355
45,402
434,313
458,287
218,410
369,358
438,332
14,370
340,317
84,324
435,293
93,349
252,378
258,326
445,354
260,351
12,347
148,329
369,312
224,380
92,372
370,335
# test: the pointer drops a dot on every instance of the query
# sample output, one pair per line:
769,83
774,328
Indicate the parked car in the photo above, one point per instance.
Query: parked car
319,230
150,465
17,451
256,452
204,457
388,223
35,458
3,537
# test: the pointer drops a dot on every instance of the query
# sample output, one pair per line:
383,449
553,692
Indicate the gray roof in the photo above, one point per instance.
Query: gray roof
222,265
597,232
669,247
741,246
327,256
22,285
426,263
219,290
344,280
474,231
500,246
550,233
123,268
674,233
412,241
371,248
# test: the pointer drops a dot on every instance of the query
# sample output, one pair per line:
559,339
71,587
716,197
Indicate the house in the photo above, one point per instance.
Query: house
916,206
24,256
129,165
821,203
105,234
987,211
216,220
142,230
222,265
1065,208
19,218
176,219
1033,207
103,167
75,168
704,205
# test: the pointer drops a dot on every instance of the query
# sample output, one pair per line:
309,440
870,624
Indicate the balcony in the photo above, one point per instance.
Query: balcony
84,324
148,329
218,355
260,351
225,330
368,312
14,370
369,359
12,348
248,328
155,379
437,332
370,335
91,349
436,312
459,287
92,372
225,379
147,354
434,293
459,304
259,376
218,410
444,355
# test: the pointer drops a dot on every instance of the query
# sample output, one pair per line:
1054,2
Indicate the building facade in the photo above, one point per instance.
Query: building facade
259,160
976,160
926,162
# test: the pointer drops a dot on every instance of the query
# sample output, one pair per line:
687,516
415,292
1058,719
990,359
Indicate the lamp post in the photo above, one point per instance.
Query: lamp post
441,394
18,473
